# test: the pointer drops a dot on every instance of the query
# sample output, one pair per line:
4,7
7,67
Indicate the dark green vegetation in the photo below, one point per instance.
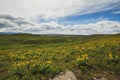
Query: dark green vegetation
35,57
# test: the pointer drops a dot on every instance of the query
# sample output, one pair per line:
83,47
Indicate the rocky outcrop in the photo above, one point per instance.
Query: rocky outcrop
67,75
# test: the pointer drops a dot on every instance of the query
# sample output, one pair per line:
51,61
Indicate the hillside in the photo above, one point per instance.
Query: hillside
41,57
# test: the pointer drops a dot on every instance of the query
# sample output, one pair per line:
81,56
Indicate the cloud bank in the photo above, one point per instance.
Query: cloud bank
55,8
21,25
42,16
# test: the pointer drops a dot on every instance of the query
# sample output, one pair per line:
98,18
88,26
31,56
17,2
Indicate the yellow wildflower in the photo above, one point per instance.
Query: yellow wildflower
110,55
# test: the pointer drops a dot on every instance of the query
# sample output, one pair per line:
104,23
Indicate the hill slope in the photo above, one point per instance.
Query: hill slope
34,57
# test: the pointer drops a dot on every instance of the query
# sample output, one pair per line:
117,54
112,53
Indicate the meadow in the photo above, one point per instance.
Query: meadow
41,57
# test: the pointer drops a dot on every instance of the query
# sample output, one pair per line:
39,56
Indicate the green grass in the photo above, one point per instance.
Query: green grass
41,57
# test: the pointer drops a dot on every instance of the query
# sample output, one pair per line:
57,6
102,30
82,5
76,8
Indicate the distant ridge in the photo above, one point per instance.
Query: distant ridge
8,33
16,33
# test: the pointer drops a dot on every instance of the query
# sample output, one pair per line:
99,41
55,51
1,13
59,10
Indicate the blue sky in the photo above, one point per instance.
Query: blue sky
60,16
91,18
87,18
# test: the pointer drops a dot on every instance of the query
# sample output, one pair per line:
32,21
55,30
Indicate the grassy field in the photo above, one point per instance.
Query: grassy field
41,57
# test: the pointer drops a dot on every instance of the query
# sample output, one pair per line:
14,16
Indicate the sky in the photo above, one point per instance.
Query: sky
75,17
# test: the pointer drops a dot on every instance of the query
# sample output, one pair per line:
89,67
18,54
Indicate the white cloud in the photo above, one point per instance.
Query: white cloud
54,8
116,12
11,24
